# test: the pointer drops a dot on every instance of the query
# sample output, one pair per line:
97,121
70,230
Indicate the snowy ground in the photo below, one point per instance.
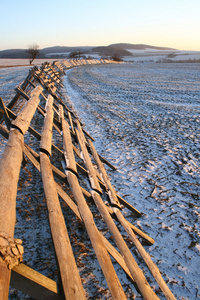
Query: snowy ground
145,119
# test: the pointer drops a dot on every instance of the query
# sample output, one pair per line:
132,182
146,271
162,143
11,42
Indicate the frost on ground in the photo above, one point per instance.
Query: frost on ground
146,121
145,118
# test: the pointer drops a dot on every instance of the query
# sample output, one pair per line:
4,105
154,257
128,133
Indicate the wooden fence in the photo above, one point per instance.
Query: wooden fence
42,92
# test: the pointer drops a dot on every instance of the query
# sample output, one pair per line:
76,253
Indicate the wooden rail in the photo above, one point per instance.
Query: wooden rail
42,92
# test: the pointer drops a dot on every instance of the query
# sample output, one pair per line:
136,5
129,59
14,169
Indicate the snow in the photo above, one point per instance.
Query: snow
153,55
145,119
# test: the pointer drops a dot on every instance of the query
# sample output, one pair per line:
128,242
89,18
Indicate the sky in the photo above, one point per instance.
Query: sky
165,23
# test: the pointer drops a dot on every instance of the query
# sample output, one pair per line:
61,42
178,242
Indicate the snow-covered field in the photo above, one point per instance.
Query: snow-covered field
152,55
146,121
22,62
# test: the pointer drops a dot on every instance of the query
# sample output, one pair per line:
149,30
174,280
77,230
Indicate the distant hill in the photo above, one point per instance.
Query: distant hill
60,50
111,50
53,52
14,53
120,49
139,47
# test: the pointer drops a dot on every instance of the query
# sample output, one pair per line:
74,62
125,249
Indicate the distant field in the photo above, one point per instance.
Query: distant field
21,62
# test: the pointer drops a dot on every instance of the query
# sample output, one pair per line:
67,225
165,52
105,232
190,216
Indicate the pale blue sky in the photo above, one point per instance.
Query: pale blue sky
171,23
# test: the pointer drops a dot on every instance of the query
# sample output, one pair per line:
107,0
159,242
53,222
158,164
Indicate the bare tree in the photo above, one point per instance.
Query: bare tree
75,54
33,52
116,57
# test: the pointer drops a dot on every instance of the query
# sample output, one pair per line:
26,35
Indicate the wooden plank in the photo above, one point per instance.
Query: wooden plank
88,135
91,173
33,156
97,243
31,83
111,192
70,277
134,269
80,129
45,143
10,164
116,255
152,267
4,280
22,122
137,231
102,158
5,114
67,144
129,206
22,93
105,161
36,134
71,280
4,132
131,263
33,283
71,122
68,201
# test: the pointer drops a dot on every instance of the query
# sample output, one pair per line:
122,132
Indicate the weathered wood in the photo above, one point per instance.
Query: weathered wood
86,133
33,156
10,164
71,280
111,192
129,206
36,134
91,173
45,143
67,144
5,114
151,265
31,83
116,255
134,269
80,129
105,161
71,122
22,122
68,201
153,268
4,132
102,158
4,280
70,277
139,232
141,283
22,93
33,283
97,243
